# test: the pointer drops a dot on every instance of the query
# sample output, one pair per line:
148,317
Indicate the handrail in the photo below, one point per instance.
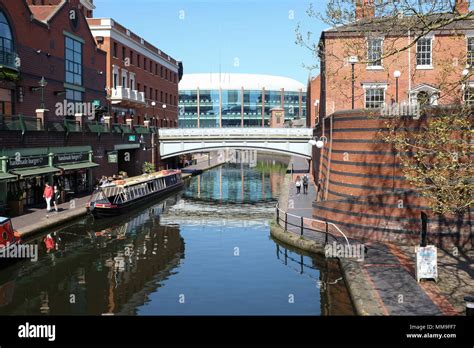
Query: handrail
302,218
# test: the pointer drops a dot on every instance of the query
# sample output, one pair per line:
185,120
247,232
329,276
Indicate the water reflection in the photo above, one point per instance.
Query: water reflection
204,251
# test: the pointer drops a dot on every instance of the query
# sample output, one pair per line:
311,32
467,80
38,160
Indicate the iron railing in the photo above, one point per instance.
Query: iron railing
21,123
322,232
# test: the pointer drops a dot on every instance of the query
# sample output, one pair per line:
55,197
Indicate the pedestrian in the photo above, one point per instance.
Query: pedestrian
56,197
298,185
305,184
48,195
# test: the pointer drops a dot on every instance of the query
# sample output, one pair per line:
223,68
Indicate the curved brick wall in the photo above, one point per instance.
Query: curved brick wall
363,191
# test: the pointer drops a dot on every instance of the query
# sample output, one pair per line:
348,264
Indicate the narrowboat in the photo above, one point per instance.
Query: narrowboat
122,195
9,239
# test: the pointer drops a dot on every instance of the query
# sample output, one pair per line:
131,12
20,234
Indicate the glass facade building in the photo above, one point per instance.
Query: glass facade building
238,100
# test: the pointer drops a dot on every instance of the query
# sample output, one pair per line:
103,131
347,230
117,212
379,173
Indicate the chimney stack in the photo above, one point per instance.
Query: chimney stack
461,6
365,9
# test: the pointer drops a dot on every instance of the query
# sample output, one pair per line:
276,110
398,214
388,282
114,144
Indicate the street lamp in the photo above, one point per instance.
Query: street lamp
42,84
153,104
316,105
353,60
164,111
318,143
397,75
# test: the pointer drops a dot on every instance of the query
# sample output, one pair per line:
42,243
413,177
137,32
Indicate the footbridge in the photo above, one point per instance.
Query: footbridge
290,141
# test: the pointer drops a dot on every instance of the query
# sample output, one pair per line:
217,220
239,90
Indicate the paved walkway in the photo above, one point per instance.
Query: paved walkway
385,281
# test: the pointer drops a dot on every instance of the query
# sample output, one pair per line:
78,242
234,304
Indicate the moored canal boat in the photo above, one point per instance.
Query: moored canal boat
122,195
9,239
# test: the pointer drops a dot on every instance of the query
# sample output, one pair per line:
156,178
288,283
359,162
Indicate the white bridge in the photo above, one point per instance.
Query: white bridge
289,141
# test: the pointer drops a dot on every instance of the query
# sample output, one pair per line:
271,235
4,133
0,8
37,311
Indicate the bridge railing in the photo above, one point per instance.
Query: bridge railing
306,133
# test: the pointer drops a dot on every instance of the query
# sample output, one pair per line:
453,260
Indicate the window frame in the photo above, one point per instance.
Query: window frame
425,66
373,66
375,86
67,61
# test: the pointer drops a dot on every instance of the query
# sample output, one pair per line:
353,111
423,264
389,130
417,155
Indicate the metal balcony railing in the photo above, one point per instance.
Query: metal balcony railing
8,59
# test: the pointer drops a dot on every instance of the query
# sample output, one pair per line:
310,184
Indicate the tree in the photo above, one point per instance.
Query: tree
435,151
148,168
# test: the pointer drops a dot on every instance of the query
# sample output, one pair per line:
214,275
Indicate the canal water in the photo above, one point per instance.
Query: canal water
206,250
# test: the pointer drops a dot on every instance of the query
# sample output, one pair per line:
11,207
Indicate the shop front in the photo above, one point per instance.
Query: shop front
75,165
31,169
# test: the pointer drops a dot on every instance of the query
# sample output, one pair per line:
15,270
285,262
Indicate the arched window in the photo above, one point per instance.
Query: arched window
6,37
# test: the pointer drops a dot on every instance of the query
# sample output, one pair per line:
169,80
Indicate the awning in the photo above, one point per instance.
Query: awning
35,171
76,166
7,176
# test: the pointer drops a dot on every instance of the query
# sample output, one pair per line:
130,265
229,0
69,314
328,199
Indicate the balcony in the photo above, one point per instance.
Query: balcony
127,97
9,59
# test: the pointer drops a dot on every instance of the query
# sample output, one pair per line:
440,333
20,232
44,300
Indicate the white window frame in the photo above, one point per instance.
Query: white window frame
124,77
425,66
133,84
374,67
367,86
469,85
469,37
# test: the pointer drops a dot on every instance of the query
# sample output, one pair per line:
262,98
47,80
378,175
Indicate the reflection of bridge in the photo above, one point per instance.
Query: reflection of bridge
290,141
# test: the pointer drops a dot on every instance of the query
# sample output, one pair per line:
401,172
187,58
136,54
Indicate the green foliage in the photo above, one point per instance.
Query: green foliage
148,168
435,154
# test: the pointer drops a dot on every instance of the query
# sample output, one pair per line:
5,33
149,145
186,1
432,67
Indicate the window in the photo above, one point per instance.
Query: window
138,60
131,57
151,66
156,94
424,52
470,51
124,53
374,52
469,95
73,61
161,73
6,38
115,50
166,98
144,63
374,98
161,97
156,69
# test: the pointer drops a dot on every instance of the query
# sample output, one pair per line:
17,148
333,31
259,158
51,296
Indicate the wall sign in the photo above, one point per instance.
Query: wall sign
112,157
70,158
426,263
132,138
73,18
18,162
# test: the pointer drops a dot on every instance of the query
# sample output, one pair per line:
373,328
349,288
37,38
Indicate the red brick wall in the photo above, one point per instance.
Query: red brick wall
363,190
314,93
31,36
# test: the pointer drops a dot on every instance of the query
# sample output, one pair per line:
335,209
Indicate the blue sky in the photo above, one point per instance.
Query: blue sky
246,36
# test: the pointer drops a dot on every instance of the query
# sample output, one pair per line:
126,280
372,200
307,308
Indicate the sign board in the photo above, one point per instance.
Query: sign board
18,162
426,262
112,157
70,158
132,138
96,103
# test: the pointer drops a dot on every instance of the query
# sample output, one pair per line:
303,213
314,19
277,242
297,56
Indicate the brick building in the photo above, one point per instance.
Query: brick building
313,101
428,71
142,80
361,185
41,138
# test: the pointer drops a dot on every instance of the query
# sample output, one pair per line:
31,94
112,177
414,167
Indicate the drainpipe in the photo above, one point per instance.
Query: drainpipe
409,66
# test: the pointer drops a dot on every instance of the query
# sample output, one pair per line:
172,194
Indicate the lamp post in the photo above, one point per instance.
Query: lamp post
353,60
42,84
397,75
316,105
164,111
465,74
153,104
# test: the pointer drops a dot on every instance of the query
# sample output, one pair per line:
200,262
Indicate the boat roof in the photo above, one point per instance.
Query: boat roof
4,219
144,178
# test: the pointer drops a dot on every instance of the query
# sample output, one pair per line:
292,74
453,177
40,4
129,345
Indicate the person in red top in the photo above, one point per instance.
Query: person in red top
48,195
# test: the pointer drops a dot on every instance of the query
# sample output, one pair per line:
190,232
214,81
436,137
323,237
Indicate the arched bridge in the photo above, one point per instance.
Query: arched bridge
290,141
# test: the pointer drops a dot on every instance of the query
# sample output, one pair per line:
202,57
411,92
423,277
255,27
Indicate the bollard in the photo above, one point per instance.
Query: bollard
469,305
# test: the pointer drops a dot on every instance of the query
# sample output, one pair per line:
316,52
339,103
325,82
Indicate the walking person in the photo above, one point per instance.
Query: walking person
305,184
298,185
56,197
48,195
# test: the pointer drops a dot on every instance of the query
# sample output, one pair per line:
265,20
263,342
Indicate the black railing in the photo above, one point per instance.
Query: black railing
322,232
8,59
